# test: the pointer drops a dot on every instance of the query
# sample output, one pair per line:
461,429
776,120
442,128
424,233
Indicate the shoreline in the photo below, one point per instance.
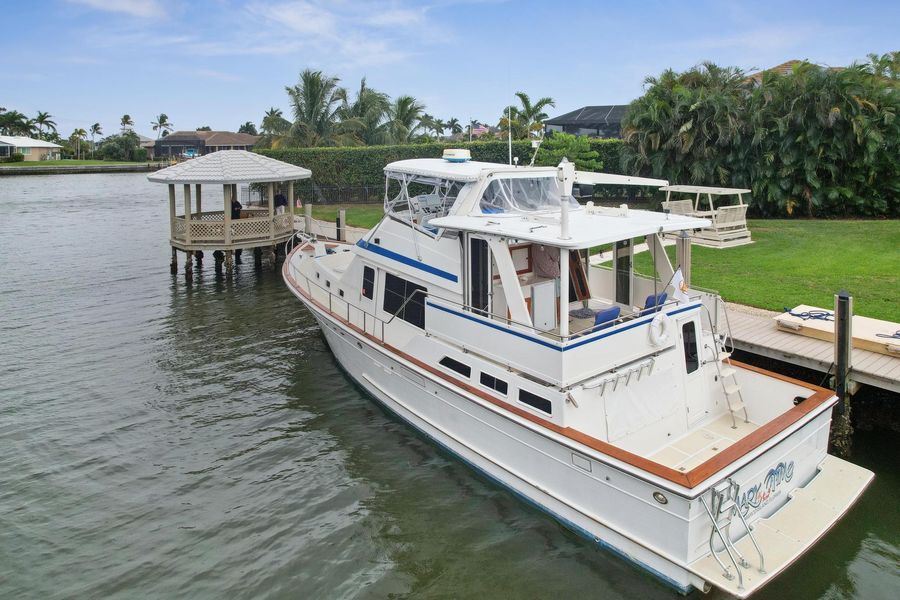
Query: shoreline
82,169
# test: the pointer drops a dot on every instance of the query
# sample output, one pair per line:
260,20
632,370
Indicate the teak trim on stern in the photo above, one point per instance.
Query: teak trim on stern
688,479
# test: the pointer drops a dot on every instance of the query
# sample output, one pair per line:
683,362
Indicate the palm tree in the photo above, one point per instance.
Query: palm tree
95,130
532,115
78,135
161,125
511,121
438,127
454,126
44,119
365,119
405,118
427,123
127,122
248,127
274,123
316,100
15,123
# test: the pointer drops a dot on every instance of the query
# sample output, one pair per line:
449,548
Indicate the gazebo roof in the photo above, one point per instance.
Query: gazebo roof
230,166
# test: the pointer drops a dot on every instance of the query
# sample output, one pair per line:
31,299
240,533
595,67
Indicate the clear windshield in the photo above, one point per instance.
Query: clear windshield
522,195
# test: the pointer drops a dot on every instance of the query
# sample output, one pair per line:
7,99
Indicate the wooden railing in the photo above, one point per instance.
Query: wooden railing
253,226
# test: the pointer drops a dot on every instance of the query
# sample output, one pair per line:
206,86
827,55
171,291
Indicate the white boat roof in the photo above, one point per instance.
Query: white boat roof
586,230
699,189
230,166
471,170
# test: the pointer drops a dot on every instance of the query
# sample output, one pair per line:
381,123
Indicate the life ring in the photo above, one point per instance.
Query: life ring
659,330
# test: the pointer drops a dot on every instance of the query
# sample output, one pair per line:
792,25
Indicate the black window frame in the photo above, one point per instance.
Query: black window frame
461,368
498,385
536,402
689,342
368,282
397,291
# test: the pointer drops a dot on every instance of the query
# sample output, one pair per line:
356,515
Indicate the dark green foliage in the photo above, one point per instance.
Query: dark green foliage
125,146
576,149
364,165
816,142
14,157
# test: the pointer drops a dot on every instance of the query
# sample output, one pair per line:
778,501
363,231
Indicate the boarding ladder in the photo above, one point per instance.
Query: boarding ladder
721,509
722,348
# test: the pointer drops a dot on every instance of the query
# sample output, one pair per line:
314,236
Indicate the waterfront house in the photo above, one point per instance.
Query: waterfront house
30,148
593,121
188,144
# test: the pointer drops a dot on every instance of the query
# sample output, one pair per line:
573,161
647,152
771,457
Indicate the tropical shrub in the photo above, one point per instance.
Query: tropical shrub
14,157
815,142
575,148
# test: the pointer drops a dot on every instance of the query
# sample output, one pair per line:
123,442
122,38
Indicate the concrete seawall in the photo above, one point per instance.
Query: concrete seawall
81,169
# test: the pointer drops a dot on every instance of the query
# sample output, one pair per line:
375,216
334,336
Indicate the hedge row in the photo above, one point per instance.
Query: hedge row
349,166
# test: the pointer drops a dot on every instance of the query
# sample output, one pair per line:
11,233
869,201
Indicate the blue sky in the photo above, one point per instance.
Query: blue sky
223,62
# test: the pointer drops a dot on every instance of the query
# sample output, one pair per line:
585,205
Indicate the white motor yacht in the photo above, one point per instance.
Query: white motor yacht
604,396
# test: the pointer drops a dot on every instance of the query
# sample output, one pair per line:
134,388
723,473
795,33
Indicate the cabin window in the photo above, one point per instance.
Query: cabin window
689,336
454,365
535,401
480,275
368,283
404,299
498,385
623,256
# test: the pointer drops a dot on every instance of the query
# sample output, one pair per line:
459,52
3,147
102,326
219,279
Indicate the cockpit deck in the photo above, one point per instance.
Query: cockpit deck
698,445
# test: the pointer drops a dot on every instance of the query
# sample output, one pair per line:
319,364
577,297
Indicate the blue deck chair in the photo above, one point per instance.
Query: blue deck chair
606,318
654,302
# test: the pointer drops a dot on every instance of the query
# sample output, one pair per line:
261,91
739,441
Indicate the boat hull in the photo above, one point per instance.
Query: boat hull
514,456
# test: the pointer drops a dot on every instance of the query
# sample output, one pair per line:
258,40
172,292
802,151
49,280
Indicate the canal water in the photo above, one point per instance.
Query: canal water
165,440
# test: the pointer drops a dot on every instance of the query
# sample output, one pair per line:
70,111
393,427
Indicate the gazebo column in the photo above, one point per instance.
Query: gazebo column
174,264
188,261
229,253
271,195
198,254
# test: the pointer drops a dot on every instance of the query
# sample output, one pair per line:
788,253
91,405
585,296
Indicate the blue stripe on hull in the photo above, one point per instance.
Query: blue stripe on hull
375,248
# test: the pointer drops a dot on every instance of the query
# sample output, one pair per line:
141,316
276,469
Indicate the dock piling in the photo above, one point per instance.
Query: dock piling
229,263
842,430
340,225
307,218
173,264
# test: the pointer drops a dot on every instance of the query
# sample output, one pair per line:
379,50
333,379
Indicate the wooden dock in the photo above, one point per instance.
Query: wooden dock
753,330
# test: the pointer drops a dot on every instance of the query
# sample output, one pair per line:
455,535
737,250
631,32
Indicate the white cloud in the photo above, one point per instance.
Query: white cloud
298,16
135,8
398,16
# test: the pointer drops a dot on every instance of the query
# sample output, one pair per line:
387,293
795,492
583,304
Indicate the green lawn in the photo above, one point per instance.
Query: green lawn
358,215
67,163
789,263
806,262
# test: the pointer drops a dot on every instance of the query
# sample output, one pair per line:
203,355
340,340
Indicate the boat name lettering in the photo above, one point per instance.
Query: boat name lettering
760,494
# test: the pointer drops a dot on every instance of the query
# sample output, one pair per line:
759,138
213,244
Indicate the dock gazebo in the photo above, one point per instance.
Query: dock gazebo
197,231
